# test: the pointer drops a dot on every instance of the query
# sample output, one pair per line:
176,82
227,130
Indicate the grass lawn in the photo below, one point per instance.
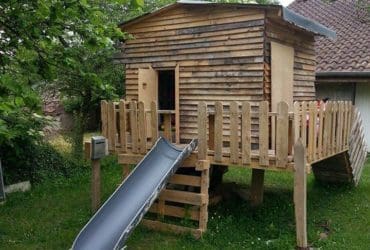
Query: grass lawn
51,215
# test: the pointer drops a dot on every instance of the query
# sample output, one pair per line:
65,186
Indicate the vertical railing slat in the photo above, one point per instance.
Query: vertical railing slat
282,137
104,118
312,131
112,128
334,127
142,127
327,130
246,133
263,134
133,127
202,131
167,130
154,121
297,121
122,126
304,123
320,128
234,138
218,131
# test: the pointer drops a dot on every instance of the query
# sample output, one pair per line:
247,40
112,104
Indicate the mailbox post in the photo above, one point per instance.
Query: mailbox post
2,189
99,149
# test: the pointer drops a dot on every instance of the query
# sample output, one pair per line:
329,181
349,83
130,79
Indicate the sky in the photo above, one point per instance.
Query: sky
285,2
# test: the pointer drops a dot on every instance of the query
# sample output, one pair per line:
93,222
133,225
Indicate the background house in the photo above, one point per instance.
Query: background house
343,66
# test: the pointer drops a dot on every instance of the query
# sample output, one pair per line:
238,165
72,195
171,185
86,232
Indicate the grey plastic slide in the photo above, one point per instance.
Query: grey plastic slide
118,216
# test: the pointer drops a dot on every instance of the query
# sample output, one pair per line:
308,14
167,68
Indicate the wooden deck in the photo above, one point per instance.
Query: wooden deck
329,136
227,135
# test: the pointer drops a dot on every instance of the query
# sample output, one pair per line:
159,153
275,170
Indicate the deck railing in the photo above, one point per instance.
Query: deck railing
236,133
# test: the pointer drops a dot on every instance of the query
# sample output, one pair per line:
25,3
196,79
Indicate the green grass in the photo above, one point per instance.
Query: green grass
51,215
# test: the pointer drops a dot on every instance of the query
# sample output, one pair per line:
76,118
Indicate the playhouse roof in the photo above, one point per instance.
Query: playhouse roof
286,15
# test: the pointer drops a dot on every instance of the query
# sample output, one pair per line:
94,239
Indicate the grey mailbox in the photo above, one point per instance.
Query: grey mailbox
99,147
2,189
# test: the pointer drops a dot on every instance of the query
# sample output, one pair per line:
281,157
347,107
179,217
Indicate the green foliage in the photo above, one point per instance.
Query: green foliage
62,44
36,162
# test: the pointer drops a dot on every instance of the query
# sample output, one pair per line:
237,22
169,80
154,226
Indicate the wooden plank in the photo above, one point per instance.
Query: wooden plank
340,126
304,123
211,132
104,118
311,154
177,104
154,121
282,137
263,133
327,130
183,197
246,133
234,138
95,186
133,127
142,124
202,131
334,127
320,130
111,127
164,227
167,130
257,181
218,131
282,65
300,194
297,121
188,180
122,126
345,124
203,217
178,212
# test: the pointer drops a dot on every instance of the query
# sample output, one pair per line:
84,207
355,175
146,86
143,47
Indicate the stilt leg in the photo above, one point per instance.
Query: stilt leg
300,195
256,194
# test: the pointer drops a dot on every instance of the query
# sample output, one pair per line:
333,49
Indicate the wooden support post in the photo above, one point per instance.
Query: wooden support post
95,185
211,132
203,218
167,127
125,171
256,194
300,198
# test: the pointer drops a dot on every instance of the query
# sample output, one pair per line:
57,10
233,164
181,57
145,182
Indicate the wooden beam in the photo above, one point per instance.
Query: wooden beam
256,194
163,227
300,194
95,185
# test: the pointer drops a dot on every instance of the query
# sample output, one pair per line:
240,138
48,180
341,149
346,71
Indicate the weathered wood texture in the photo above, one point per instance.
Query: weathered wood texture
219,52
304,59
323,128
357,146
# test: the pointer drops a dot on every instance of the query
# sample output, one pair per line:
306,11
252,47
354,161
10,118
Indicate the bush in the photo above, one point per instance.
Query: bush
37,162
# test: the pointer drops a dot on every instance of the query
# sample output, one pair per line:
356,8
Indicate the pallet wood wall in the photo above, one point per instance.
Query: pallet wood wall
304,59
223,55
219,52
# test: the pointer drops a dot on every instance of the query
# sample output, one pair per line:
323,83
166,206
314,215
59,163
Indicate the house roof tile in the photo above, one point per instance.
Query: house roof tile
351,21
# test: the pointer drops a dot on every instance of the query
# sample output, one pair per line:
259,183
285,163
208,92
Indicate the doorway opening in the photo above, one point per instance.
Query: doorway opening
166,89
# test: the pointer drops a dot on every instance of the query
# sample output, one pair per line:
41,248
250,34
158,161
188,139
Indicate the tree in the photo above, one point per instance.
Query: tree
65,44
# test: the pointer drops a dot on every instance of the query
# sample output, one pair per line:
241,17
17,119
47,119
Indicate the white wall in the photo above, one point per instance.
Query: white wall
362,102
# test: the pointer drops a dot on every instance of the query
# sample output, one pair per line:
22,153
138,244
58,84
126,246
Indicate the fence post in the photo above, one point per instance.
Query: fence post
300,194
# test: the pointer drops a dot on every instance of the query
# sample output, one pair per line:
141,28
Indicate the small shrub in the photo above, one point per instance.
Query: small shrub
37,162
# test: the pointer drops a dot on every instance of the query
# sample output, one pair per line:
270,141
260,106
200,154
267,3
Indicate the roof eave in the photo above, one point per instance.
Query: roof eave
307,24
344,74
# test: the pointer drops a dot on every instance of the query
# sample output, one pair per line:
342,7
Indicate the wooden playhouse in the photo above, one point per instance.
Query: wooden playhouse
240,79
